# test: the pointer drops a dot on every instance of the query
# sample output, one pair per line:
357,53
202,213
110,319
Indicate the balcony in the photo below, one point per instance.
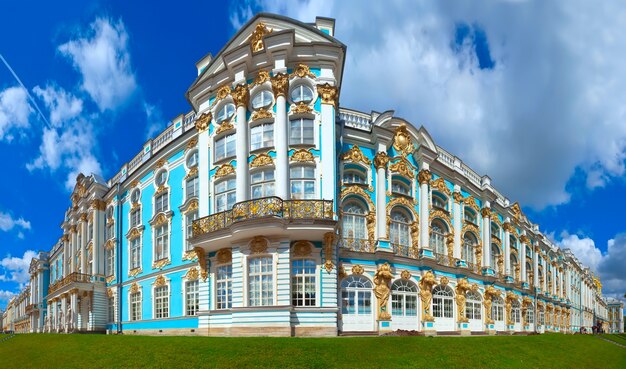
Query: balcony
355,244
268,216
68,280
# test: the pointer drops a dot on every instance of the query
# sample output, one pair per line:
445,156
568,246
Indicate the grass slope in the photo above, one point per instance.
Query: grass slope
95,351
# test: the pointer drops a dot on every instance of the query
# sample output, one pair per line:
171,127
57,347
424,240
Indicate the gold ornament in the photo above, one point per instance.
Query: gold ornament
241,95
405,274
134,288
329,239
224,256
355,155
258,245
461,289
424,176
261,114
382,278
159,281
302,155
357,269
202,262
444,281
261,160
192,274
202,122
224,170
224,127
426,284
359,191
381,160
439,184
403,167
222,93
191,144
301,71
301,248
256,39
329,94
280,84
485,212
301,108
262,77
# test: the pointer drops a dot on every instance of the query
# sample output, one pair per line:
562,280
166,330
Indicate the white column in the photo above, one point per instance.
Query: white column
545,277
75,312
328,151
486,236
83,246
98,231
535,267
507,248
522,261
73,248
380,161
64,311
281,144
240,95
554,276
456,213
424,178
202,125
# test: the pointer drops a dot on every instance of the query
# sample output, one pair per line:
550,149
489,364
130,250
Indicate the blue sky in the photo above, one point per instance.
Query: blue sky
498,87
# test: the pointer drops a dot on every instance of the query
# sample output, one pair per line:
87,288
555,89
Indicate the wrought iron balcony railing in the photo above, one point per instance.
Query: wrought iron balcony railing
355,244
444,259
68,279
266,207
473,267
404,250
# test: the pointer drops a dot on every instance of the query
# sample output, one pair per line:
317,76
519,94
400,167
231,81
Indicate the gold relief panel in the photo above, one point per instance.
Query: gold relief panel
471,202
406,275
301,71
222,93
495,218
110,279
440,214
426,284
359,191
109,244
258,245
341,272
357,269
302,155
224,170
516,210
192,172
161,189
329,94
98,205
202,122
496,240
458,197
241,95
256,39
161,162
134,233
329,240
224,256
509,228
301,248
190,255
301,108
192,274
193,205
415,232
402,141
109,292
381,160
191,144
280,84
224,127
470,227
403,167
161,263
261,160
204,273
134,272
261,114
160,219
83,217
444,281
404,202
439,184
370,220
159,281
134,183
524,239
134,288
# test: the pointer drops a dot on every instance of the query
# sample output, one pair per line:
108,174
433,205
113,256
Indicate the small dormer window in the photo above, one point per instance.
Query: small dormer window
262,100
225,113
302,94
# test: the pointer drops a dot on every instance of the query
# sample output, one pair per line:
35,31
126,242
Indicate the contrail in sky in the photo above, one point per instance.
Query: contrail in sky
25,89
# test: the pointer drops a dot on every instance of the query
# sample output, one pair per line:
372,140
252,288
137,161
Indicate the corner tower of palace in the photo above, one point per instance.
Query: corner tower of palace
269,209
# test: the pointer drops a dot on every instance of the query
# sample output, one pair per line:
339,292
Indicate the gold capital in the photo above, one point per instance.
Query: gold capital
280,84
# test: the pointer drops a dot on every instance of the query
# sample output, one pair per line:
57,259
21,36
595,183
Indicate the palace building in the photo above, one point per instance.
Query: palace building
269,209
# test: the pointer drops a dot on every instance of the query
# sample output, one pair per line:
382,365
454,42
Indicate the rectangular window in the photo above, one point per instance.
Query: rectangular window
192,298
301,132
225,147
225,195
262,183
260,281
135,306
161,302
90,231
161,203
111,309
302,182
192,187
223,294
110,230
161,242
135,253
303,282
189,218
110,269
135,218
262,136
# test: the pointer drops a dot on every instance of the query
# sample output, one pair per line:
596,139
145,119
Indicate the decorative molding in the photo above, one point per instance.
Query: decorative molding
381,159
301,108
161,162
224,170
190,255
134,288
98,205
256,39
301,71
329,94
439,184
192,274
224,127
424,176
426,284
161,263
280,84
204,273
159,281
258,245
261,160
241,95
329,240
132,234
382,279
359,191
191,144
403,167
485,212
261,114
224,256
192,173
302,155
301,248
135,272
402,140
406,275
444,281
262,77
222,93
357,269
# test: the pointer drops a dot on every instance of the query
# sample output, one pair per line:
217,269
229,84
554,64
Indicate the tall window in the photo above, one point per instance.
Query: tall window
303,282
442,302
135,218
356,295
530,315
161,242
472,305
135,195
354,221
262,183
135,253
192,187
469,243
513,262
225,147
403,298
192,159
110,269
495,252
223,287
189,218
192,297
161,177
262,136
90,231
302,93
515,311
225,113
301,132
437,237
497,309
302,182
261,100
528,271
161,302
260,281
399,228
469,215
135,306
161,203
111,301
110,231
225,195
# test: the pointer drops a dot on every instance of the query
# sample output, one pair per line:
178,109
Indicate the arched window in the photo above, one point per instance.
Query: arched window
403,298
472,305
497,309
353,175
469,244
439,201
262,99
354,221
442,302
399,228
192,159
399,186
469,215
356,295
160,178
225,113
302,93
437,236
495,252
515,311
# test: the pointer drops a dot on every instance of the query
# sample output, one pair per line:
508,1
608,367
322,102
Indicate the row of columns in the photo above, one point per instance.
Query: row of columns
58,319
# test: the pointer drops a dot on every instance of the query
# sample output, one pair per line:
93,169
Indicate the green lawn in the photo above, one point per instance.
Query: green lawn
619,338
99,351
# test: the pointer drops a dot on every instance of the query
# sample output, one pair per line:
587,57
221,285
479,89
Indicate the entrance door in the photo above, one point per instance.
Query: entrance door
404,305
356,304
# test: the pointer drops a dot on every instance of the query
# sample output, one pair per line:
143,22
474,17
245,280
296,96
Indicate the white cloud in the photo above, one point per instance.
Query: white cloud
62,105
584,248
5,296
102,58
154,118
14,111
15,269
7,222
551,104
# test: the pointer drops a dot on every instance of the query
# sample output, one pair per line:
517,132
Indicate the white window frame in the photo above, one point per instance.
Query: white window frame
196,297
443,303
303,181
299,87
190,216
131,315
195,187
249,278
301,139
268,186
473,306
263,93
165,251
401,291
228,282
263,128
228,139
156,299
110,266
222,107
134,217
162,202
224,193
300,281
131,253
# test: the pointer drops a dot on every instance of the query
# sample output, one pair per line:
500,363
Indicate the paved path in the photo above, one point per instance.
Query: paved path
613,342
